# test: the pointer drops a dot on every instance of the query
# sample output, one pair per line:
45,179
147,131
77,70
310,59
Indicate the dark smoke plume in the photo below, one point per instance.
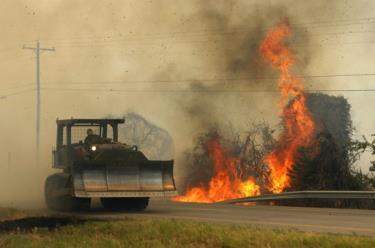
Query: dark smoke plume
238,65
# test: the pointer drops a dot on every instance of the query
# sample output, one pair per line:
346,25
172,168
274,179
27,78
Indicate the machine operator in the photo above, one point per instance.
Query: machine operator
92,138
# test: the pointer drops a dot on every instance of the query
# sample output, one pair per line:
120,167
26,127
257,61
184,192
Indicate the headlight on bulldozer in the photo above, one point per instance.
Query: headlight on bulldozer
93,148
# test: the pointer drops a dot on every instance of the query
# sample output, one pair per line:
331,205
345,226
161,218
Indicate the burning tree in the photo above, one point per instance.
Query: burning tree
323,170
332,115
227,180
227,167
298,123
313,150
258,142
332,165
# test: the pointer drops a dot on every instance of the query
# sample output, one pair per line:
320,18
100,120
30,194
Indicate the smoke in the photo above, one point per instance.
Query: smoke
238,66
153,141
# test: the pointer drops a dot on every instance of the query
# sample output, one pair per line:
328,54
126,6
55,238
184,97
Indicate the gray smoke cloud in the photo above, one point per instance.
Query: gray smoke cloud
239,65
155,142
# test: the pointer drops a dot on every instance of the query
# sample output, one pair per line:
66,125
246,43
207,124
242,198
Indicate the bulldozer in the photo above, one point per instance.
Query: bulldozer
94,164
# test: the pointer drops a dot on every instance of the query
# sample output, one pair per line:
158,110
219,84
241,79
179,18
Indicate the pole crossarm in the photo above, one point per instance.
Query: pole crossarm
52,49
48,49
30,48
321,194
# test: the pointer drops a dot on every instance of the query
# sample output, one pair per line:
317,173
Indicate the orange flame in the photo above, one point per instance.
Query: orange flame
225,184
298,122
299,129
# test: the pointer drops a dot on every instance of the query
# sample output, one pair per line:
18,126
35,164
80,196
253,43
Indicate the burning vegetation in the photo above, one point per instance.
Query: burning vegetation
304,156
298,122
226,182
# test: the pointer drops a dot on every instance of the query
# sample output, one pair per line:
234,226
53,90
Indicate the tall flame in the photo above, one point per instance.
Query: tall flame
299,129
225,184
298,122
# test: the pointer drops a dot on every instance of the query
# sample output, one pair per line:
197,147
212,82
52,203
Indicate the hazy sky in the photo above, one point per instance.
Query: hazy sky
149,56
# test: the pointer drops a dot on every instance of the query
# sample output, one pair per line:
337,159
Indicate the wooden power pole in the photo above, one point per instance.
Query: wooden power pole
37,51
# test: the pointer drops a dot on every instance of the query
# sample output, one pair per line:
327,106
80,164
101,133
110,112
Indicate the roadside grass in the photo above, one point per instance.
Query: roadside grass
11,213
146,232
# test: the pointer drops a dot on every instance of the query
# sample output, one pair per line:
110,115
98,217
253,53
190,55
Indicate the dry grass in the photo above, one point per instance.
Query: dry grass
11,214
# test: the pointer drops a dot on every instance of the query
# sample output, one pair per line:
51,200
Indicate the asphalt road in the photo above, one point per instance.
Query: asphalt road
327,220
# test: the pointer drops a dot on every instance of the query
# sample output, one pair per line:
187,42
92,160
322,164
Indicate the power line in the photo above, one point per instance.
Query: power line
16,87
182,91
116,43
363,19
184,81
4,96
15,58
186,91
200,91
106,40
338,75
16,93
136,38
341,24
209,79
356,21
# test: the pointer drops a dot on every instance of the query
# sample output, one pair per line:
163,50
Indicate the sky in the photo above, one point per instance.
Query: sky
155,58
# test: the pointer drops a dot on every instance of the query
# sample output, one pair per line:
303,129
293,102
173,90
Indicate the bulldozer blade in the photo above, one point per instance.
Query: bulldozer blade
144,179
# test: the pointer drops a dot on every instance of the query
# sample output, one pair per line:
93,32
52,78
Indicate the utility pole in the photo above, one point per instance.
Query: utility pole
37,51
